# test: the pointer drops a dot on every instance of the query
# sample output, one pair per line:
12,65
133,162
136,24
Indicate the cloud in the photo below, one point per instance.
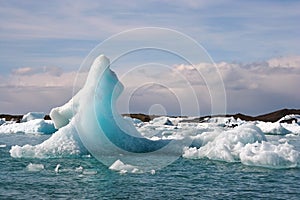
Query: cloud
54,71
285,62
252,88
37,89
42,33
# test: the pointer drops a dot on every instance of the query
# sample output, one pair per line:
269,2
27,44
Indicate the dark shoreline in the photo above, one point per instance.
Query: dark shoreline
17,118
269,117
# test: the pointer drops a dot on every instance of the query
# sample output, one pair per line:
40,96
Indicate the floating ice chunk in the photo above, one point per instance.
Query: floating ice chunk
293,117
2,145
136,122
159,121
65,142
35,167
224,121
225,145
273,128
293,128
32,126
57,168
79,169
61,116
2,121
245,144
32,115
124,168
269,155
89,172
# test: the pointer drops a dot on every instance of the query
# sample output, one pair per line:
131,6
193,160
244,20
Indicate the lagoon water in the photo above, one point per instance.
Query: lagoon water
84,177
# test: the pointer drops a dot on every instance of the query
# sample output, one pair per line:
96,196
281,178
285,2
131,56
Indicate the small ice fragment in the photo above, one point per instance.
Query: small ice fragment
57,168
35,167
79,169
118,165
89,172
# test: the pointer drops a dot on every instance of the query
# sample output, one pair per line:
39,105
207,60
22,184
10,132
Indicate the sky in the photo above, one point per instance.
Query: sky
254,44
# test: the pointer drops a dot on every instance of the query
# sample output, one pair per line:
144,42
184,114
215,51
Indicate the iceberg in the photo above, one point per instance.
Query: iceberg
95,115
63,143
2,121
32,116
35,126
246,144
91,116
274,128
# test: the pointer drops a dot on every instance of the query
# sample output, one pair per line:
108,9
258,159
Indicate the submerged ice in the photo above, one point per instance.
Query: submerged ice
89,123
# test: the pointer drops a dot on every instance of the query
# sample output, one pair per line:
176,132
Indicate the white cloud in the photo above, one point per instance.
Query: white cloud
37,89
250,88
54,71
285,62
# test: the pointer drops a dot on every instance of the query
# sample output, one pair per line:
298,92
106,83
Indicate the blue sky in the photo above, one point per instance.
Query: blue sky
60,33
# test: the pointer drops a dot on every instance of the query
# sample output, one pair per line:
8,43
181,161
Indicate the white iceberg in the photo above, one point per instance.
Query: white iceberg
2,121
91,115
274,128
36,126
64,142
32,116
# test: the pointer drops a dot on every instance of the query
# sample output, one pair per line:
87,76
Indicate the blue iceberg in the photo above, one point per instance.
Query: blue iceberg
99,123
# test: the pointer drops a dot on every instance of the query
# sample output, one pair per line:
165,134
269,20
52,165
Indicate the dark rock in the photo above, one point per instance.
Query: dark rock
16,118
47,117
289,121
142,117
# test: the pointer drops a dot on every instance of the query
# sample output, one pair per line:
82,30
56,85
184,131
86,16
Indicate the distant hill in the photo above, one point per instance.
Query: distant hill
275,116
17,118
269,117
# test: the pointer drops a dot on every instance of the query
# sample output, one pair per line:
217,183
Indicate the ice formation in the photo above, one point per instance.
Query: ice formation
32,115
35,167
97,116
275,128
91,112
90,123
64,142
124,168
39,126
246,144
2,121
